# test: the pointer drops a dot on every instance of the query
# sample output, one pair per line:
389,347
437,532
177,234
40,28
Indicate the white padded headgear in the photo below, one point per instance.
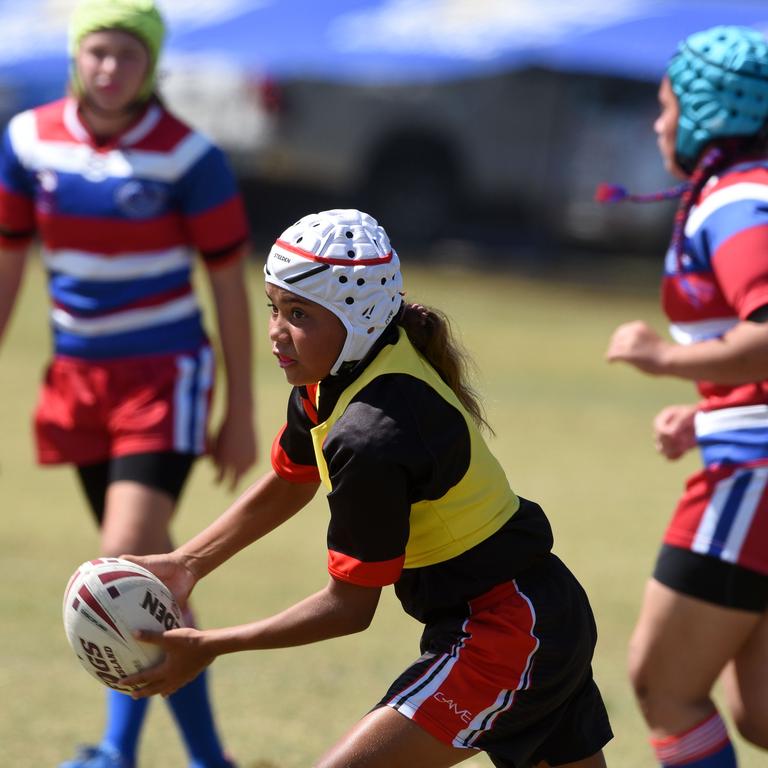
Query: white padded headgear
342,260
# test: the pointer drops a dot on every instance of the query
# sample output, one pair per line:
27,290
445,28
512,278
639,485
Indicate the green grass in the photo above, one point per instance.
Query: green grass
572,431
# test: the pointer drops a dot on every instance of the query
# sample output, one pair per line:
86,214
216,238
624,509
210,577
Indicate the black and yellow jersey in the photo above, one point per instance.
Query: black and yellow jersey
416,497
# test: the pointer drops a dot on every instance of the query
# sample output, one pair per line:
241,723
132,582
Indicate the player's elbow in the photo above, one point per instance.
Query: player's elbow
355,606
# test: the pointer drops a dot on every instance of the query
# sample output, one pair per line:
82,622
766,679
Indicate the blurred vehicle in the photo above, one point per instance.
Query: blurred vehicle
529,145
422,111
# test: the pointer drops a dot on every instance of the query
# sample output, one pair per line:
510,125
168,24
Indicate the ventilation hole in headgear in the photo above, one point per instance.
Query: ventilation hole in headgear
342,278
351,254
349,300
370,330
349,234
383,280
299,238
360,281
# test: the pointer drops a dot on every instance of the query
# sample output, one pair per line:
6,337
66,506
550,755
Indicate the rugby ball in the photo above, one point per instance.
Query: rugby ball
105,601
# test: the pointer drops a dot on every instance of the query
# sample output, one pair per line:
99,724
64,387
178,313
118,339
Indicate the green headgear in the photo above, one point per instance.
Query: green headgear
140,18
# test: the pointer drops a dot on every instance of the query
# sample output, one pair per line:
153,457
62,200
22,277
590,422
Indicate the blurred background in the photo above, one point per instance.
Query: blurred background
475,129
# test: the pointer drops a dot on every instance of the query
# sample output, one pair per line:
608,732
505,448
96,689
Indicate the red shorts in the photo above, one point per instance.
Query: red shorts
724,514
513,675
89,411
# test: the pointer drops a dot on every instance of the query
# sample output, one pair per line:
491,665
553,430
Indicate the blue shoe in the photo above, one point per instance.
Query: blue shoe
102,756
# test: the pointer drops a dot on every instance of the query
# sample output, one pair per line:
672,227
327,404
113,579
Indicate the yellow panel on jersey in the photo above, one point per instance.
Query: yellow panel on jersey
472,510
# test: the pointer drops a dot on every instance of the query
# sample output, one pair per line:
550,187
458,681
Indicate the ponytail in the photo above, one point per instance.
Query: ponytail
429,330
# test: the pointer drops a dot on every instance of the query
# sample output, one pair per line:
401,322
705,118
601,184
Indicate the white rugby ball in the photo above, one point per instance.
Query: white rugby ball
105,601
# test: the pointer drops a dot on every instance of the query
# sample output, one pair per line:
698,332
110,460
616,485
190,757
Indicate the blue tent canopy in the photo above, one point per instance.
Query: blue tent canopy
404,38
384,40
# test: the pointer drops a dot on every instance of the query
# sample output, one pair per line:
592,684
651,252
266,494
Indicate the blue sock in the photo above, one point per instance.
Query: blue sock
191,708
706,745
125,717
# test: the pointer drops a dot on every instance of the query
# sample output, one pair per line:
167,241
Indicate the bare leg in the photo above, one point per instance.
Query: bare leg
386,739
746,686
679,648
136,520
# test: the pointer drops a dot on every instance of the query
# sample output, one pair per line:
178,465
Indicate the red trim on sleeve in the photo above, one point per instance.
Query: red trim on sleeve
378,574
17,212
287,469
219,226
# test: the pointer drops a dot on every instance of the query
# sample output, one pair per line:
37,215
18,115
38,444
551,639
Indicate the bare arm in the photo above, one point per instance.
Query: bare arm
264,506
234,445
12,264
267,504
339,609
740,356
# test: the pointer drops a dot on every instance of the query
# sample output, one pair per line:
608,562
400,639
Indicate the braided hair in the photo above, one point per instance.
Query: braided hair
714,160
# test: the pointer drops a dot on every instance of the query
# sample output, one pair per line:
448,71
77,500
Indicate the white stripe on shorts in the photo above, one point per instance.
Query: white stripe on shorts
742,520
182,411
407,702
484,720
204,384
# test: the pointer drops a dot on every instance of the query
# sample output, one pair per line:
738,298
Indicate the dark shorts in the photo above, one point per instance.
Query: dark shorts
711,579
512,676
163,471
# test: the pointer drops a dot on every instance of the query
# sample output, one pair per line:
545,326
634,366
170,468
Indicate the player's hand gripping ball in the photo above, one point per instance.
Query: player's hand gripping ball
105,602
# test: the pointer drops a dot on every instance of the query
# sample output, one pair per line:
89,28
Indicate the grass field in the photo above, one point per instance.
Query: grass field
573,433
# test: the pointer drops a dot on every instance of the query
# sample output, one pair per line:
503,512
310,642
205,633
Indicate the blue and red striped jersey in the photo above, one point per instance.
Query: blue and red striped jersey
119,225
720,280
722,276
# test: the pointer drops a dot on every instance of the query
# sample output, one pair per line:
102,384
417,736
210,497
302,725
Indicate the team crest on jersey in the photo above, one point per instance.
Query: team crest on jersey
49,183
141,199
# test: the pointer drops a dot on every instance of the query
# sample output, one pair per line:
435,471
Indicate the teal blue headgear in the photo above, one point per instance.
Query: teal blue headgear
720,79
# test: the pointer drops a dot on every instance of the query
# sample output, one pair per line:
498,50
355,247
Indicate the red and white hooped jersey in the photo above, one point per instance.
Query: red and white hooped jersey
119,225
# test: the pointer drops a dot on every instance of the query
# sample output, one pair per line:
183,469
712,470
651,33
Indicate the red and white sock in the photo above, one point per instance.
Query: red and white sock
706,745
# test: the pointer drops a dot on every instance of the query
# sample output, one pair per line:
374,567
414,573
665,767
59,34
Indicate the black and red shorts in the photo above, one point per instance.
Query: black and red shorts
512,676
